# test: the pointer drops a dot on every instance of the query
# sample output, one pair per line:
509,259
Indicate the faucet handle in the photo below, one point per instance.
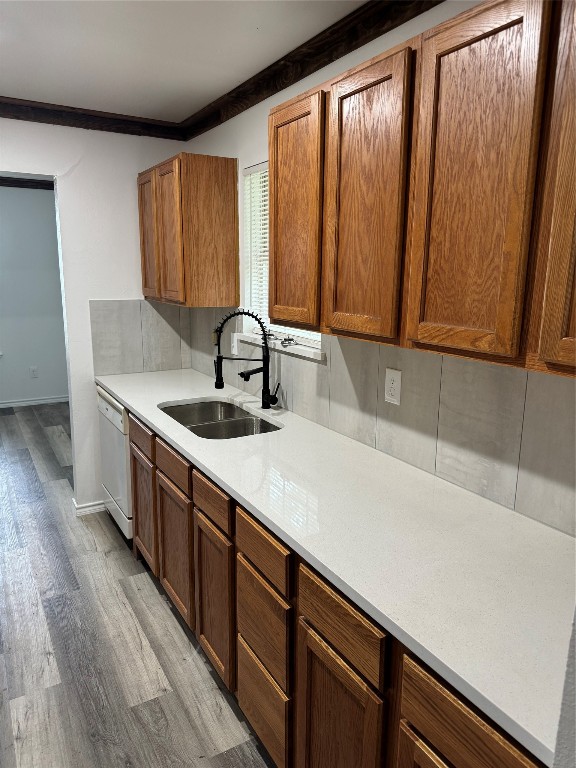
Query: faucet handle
273,399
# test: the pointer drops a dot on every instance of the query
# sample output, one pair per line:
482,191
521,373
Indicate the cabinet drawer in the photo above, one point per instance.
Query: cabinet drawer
263,620
263,703
212,501
414,753
360,641
457,732
174,466
268,554
141,436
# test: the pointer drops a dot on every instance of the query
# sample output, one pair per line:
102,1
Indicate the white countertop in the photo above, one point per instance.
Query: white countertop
481,594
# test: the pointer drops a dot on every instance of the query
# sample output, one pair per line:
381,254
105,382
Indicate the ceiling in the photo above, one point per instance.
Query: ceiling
157,59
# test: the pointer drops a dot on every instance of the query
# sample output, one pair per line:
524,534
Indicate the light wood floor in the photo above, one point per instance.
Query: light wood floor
95,668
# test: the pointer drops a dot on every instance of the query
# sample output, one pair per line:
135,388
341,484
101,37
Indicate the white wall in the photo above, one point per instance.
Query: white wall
31,323
96,199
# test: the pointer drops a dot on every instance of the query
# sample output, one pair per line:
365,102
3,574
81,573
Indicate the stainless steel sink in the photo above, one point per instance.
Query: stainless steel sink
242,427
191,414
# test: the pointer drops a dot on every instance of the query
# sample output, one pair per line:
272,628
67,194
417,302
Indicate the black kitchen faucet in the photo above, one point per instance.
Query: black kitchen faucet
268,399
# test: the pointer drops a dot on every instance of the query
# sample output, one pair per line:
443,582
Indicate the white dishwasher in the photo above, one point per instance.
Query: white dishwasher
115,460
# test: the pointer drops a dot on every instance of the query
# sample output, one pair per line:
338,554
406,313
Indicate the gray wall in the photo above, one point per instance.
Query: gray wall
501,432
31,319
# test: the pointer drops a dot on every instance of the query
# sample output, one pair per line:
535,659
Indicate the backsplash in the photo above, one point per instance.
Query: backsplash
501,432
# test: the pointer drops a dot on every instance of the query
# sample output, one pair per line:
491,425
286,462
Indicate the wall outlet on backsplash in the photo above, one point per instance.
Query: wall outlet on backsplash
392,386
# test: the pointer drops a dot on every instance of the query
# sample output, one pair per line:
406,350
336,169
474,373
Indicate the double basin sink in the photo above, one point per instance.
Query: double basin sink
218,419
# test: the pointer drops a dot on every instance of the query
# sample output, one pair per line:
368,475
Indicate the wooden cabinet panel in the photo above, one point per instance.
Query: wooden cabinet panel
142,437
414,753
174,466
268,554
481,87
463,738
169,223
295,178
214,583
263,619
265,705
338,718
144,517
361,642
364,197
212,501
210,228
558,331
175,533
148,245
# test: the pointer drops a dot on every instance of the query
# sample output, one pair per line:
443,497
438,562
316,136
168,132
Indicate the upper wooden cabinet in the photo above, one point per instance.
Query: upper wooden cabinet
296,135
481,86
148,246
189,231
365,165
558,233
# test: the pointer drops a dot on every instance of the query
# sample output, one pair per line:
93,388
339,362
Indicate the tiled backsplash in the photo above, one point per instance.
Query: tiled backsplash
501,432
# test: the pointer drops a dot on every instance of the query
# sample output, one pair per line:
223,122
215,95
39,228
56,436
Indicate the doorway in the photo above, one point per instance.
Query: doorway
34,399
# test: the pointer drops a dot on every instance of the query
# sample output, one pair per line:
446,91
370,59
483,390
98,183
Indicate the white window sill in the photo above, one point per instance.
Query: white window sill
295,350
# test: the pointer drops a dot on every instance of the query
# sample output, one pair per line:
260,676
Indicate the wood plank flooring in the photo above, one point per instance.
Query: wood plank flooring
96,669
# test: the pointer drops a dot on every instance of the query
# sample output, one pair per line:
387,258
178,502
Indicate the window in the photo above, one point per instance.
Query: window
256,253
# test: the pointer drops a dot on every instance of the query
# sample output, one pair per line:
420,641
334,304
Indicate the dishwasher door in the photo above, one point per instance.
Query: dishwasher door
114,461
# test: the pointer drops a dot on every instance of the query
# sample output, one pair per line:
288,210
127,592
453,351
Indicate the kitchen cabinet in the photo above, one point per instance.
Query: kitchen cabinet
557,236
188,210
143,480
339,718
414,753
264,622
214,581
176,547
449,726
340,659
144,515
171,257
482,77
296,136
366,174
148,242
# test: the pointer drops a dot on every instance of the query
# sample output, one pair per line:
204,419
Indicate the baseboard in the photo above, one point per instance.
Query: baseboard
34,401
87,509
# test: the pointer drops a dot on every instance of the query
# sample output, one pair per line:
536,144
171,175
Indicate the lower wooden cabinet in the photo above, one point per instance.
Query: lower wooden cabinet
264,703
214,583
145,523
339,718
176,547
454,730
414,753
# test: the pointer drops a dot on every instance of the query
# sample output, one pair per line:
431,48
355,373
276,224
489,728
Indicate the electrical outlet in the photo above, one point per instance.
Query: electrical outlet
234,344
392,386
33,371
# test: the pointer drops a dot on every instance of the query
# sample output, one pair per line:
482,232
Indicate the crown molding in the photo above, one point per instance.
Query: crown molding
371,20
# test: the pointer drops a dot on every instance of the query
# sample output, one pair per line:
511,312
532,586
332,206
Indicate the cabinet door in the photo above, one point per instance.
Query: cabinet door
558,331
295,177
169,223
144,516
148,244
481,88
364,198
214,574
175,532
414,753
339,718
